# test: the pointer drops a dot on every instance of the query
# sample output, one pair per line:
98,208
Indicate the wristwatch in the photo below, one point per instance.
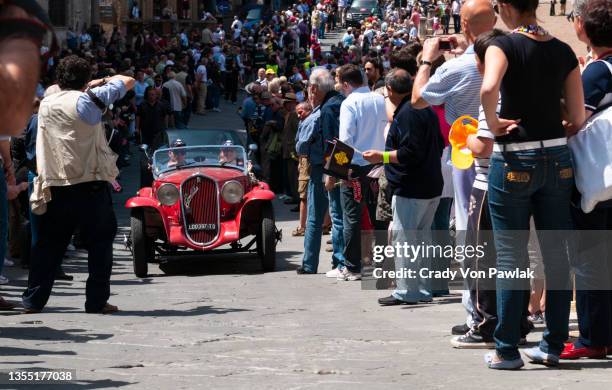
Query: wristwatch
424,62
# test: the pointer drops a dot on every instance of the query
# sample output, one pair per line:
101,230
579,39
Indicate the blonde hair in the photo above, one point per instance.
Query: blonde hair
274,85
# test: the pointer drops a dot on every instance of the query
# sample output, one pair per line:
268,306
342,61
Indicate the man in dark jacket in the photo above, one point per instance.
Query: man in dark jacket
326,115
412,167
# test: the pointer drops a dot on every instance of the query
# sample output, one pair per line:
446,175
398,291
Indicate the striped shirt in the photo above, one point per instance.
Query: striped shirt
481,165
456,84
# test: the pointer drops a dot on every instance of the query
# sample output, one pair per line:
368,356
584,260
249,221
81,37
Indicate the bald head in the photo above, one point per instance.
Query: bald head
477,17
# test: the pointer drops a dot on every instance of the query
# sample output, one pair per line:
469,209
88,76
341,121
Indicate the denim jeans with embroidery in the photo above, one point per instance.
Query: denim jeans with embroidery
534,182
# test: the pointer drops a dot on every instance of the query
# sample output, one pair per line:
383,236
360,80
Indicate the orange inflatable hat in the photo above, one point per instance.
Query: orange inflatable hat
461,156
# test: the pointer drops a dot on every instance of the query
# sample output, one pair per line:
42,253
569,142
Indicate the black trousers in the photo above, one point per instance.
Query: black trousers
351,215
482,290
87,206
231,86
593,262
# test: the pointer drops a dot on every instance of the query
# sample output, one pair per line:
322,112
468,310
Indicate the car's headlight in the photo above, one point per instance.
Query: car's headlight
232,192
349,16
167,194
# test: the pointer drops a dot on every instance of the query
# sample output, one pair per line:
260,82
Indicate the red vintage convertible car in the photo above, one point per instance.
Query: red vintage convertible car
202,198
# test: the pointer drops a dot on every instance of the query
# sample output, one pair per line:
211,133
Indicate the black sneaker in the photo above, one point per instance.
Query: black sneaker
391,301
460,330
472,340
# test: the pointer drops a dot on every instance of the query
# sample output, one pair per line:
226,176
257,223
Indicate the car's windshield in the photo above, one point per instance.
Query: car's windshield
170,159
367,4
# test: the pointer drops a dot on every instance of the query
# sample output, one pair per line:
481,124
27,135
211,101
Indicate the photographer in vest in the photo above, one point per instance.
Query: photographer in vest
75,166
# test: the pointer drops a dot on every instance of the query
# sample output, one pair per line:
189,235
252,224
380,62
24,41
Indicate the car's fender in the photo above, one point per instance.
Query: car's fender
145,199
254,202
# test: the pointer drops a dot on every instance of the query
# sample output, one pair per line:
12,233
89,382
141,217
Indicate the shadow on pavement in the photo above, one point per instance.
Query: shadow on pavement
201,310
46,333
13,351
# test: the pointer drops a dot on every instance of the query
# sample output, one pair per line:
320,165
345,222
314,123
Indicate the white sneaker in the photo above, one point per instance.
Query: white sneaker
335,273
4,279
216,109
70,248
8,262
348,275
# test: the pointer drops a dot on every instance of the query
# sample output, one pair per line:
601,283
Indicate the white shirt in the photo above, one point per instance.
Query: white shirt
176,91
201,71
237,24
456,7
481,165
363,119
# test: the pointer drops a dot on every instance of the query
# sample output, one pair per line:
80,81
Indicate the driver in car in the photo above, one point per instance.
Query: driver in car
229,155
177,157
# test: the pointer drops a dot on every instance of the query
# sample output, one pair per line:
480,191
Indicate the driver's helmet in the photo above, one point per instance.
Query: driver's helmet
178,143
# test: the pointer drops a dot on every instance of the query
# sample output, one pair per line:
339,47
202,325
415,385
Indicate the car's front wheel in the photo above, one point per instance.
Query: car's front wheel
142,248
266,240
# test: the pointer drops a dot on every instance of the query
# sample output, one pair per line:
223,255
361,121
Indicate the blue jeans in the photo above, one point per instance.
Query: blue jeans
441,235
178,120
3,218
215,94
317,204
411,223
537,182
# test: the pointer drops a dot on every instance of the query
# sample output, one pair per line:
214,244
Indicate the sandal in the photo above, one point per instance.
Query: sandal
298,232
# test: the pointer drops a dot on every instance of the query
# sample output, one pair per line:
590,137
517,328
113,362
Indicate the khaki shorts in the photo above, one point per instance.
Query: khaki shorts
303,176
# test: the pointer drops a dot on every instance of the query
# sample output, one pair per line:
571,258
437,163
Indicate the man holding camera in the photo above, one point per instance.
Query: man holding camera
75,166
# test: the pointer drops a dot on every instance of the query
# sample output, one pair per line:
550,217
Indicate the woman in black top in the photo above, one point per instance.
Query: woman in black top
530,173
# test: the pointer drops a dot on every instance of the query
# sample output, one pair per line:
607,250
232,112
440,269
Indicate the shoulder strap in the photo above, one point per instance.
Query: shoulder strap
99,103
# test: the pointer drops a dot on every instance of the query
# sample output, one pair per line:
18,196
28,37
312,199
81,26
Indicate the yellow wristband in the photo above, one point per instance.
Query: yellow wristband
386,157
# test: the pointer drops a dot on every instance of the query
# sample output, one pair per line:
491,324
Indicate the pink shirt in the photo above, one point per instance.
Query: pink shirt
444,127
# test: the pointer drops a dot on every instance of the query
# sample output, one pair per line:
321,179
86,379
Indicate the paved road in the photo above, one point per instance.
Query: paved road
221,323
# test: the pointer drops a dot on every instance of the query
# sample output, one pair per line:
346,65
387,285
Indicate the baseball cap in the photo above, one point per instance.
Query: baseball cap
270,71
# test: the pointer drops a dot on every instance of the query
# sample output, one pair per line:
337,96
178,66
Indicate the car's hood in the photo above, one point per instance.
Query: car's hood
216,173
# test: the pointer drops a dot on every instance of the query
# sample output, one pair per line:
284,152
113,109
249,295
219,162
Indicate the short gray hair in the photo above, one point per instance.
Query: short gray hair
579,7
323,79
399,81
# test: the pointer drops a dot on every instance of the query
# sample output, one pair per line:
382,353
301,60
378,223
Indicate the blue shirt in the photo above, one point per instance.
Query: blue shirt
306,136
30,137
248,108
139,90
597,84
107,93
363,119
456,84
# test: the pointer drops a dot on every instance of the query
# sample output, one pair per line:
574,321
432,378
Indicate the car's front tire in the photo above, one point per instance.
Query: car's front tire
142,247
266,240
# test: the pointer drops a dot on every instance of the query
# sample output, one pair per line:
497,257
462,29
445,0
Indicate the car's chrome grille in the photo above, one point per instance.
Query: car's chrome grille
200,203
